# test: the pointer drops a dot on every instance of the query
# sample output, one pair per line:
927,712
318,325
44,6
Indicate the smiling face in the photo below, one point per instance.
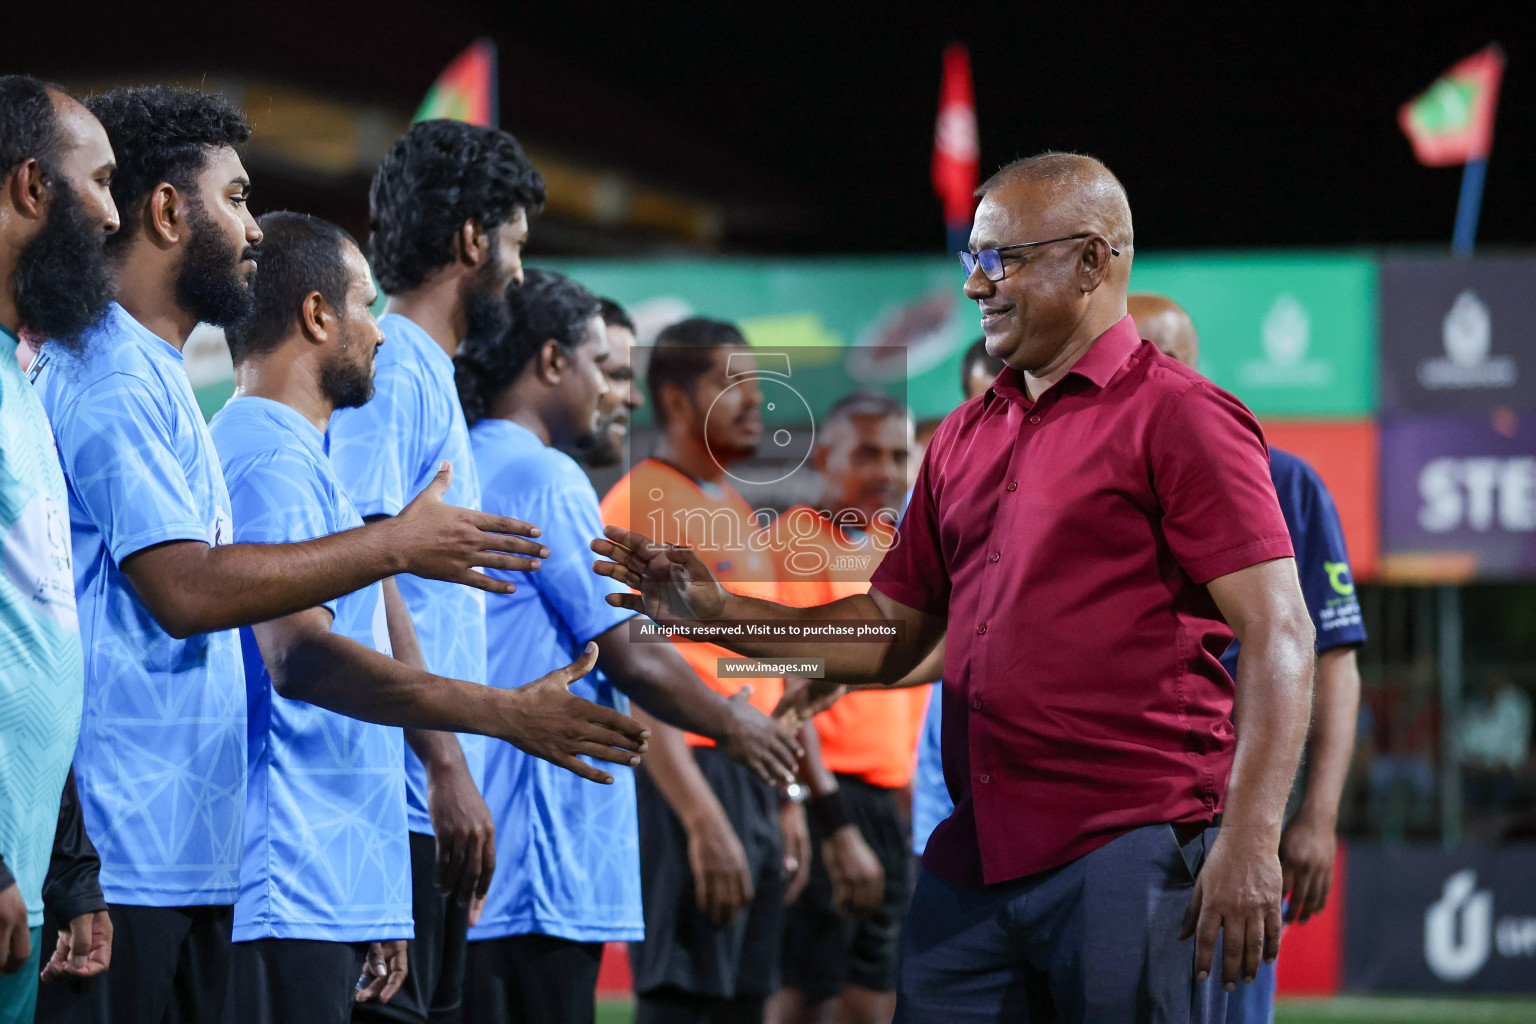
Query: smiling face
865,460
619,403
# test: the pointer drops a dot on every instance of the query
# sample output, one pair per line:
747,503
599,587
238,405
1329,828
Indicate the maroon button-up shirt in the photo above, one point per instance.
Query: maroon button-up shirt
1067,541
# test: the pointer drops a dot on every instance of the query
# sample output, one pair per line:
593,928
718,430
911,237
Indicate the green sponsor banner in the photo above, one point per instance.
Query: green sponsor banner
1292,335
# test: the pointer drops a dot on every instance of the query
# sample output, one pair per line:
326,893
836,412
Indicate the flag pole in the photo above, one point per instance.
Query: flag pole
1468,207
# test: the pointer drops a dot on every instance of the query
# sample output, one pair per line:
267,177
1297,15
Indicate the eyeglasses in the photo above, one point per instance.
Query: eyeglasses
991,260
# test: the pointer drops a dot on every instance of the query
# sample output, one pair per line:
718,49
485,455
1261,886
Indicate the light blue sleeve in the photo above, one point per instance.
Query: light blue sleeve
116,444
375,446
570,516
278,498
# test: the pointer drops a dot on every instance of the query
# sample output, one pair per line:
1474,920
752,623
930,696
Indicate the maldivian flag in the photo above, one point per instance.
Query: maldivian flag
466,90
1451,122
956,155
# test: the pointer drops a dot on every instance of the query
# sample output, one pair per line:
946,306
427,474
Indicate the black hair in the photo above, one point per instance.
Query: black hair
865,403
162,134
299,255
435,177
29,124
978,358
614,315
684,353
546,307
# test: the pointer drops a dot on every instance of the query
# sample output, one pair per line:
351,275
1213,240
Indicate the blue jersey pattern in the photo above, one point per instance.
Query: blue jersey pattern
161,759
385,452
326,850
567,850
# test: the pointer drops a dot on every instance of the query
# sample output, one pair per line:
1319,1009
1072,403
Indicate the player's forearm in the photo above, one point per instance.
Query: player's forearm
929,670
846,662
657,678
670,763
193,588
813,770
1331,743
1272,709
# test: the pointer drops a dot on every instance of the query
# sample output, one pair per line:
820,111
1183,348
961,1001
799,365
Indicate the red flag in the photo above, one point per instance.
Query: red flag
1451,122
466,90
956,155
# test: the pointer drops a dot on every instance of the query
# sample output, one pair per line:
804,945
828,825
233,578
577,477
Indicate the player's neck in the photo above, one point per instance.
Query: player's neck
280,377
436,309
10,316
680,451
147,290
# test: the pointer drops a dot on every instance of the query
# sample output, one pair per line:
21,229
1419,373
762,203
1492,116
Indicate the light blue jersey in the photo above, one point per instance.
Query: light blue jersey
41,680
327,855
161,760
567,850
385,453
930,794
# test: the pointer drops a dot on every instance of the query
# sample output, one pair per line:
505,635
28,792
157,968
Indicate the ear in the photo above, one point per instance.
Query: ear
1093,265
552,362
315,318
165,215
474,243
820,455
28,188
675,401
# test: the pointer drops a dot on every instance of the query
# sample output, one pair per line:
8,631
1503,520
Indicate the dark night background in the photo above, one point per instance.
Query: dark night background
1230,127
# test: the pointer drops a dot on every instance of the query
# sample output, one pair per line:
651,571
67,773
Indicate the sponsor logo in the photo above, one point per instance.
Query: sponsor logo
1286,335
1339,578
1467,334
38,561
1460,933
221,530
1479,494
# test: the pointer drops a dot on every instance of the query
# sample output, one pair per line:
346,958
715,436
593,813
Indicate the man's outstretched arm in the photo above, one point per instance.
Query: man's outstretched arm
1239,887
191,587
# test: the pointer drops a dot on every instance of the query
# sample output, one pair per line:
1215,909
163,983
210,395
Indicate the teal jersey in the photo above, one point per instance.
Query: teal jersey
42,681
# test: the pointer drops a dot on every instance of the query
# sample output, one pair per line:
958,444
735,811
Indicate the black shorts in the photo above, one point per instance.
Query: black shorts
293,980
532,978
170,965
824,950
683,950
434,988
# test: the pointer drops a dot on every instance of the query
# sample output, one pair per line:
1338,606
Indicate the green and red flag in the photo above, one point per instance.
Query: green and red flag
466,90
1451,122
956,154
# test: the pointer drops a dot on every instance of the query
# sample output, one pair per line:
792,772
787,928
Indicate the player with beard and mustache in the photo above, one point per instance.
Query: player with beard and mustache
623,398
161,756
324,786
56,212
569,877
448,215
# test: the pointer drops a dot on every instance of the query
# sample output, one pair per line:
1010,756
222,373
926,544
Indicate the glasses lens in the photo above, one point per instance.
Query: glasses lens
968,261
991,264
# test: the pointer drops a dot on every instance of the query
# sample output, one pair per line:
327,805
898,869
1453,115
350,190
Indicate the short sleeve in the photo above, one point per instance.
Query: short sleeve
116,444
1322,561
569,514
279,498
373,446
913,572
1210,473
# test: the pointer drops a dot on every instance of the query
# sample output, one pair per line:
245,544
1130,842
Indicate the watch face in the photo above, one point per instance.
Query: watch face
797,792
783,451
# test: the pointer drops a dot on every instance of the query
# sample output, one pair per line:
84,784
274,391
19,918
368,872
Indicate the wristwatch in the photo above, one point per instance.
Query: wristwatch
797,792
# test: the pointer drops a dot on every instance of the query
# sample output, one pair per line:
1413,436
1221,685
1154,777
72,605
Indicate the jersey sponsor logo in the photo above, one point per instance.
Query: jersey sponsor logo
38,561
221,530
1339,578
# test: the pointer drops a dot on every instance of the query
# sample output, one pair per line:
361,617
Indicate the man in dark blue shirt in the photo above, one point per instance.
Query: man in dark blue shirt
1309,842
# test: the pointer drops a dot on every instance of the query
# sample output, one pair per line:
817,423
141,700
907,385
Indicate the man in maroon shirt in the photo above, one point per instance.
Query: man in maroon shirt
1089,534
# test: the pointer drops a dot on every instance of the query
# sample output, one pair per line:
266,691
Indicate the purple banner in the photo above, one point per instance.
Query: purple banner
1459,495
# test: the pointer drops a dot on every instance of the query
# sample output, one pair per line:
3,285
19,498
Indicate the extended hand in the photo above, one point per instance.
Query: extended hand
84,950
722,879
858,880
466,833
674,585
757,742
1238,896
1307,851
804,699
384,971
545,719
445,542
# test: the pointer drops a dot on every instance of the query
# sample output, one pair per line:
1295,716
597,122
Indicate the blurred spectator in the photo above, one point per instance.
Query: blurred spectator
1495,743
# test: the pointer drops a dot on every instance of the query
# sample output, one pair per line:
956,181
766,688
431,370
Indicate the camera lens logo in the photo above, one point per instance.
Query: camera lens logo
787,447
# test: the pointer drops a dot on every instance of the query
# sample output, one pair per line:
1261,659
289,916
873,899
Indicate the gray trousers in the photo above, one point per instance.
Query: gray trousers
1095,940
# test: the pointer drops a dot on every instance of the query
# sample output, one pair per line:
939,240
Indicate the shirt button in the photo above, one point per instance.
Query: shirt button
995,556
984,779
981,630
975,705
1034,419
1013,485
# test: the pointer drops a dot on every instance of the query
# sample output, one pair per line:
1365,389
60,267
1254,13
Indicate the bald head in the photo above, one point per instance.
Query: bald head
1078,186
1165,324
